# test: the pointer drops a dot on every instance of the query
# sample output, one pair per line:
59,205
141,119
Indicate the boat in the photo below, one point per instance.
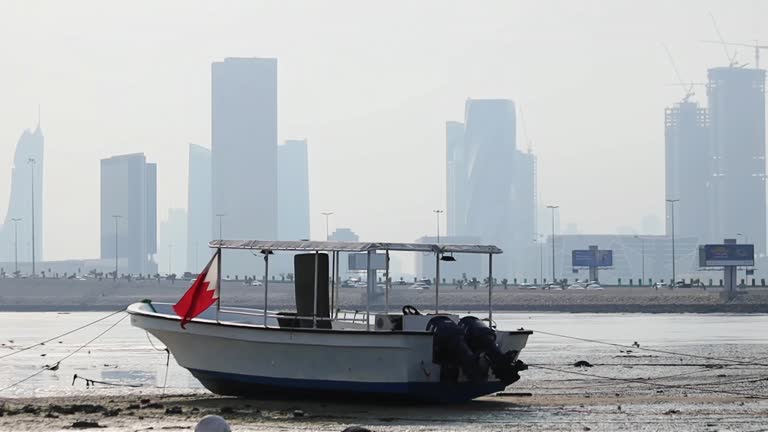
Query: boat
318,350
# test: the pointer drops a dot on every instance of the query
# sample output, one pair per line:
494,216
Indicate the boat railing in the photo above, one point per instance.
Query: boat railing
345,316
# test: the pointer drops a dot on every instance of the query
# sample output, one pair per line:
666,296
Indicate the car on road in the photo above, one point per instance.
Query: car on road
419,286
255,283
594,286
576,286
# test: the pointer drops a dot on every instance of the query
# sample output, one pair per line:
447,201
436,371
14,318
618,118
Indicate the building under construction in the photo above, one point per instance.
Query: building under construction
688,169
715,160
737,133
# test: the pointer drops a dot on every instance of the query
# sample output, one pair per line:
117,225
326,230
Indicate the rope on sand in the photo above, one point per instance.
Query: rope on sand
61,335
637,347
655,384
68,355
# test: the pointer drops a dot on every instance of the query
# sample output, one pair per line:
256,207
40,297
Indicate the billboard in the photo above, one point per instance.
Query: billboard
591,258
359,261
727,255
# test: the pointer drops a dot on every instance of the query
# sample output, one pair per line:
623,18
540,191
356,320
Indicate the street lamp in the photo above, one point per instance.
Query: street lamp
117,219
170,258
672,214
32,162
327,215
16,245
437,217
745,242
642,249
197,248
553,207
220,215
540,240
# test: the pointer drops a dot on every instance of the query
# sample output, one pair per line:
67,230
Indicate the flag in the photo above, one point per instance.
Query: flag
202,294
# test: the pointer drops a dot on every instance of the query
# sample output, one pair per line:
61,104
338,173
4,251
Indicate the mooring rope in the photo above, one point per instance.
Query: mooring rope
660,351
66,356
655,384
61,335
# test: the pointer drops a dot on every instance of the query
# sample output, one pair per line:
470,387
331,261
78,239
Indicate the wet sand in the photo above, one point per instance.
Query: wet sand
718,381
540,412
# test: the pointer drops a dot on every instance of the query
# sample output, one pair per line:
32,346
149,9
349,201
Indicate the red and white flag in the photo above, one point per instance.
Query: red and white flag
202,294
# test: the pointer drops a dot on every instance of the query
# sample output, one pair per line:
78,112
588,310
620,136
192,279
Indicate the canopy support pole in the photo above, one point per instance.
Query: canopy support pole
338,277
333,279
266,284
369,288
490,290
437,282
386,285
218,283
314,296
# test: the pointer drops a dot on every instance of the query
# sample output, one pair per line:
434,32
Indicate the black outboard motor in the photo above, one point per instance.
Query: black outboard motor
450,351
481,339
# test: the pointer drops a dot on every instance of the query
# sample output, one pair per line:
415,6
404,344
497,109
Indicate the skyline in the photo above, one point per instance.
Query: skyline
346,129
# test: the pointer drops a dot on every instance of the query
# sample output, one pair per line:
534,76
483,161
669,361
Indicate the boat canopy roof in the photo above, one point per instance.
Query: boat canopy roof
339,246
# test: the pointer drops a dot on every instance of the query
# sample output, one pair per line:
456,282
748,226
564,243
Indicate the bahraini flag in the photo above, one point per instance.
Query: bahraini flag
202,294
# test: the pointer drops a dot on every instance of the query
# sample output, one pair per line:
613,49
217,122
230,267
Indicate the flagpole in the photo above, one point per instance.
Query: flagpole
218,283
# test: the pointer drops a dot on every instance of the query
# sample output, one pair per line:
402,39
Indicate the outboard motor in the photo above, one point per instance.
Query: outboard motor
481,339
450,351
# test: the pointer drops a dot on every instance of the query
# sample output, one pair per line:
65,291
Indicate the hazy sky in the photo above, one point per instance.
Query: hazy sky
370,85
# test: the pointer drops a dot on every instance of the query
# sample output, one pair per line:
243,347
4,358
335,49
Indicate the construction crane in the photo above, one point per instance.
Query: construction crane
731,58
756,46
687,87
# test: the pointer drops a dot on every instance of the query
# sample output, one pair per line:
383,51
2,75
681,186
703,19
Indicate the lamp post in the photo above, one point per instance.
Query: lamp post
220,215
117,219
437,217
553,207
642,254
540,240
672,214
744,237
170,258
327,215
32,162
197,248
16,245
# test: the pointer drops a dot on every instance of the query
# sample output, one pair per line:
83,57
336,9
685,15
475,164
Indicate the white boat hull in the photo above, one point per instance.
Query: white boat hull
248,359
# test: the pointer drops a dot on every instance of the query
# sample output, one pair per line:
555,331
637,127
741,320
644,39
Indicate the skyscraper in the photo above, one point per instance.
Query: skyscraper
455,171
172,254
199,226
293,190
128,204
31,146
737,125
688,170
499,199
244,155
152,216
524,196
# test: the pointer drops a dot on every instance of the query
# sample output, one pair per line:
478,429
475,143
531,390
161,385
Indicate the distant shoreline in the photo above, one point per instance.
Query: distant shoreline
41,295
510,308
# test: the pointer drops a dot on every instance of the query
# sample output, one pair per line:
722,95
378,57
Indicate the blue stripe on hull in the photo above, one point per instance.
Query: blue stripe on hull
257,386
